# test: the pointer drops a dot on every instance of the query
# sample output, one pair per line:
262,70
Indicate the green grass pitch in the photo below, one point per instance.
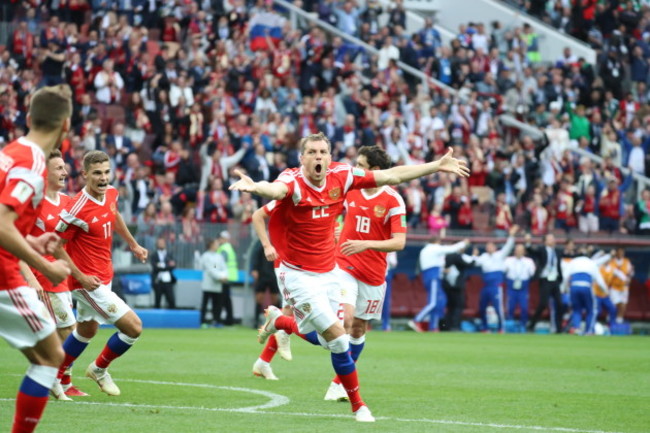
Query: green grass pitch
185,381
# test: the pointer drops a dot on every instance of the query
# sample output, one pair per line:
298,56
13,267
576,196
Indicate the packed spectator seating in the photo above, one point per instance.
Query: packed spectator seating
179,93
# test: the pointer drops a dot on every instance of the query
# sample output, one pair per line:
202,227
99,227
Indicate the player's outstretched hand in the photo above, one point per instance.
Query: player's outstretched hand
140,253
353,247
450,164
271,254
57,271
244,183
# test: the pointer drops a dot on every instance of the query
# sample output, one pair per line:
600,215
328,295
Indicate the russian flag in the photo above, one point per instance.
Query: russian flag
263,24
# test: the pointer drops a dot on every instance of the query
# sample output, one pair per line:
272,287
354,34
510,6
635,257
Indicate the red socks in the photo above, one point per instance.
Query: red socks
28,412
269,350
105,358
351,384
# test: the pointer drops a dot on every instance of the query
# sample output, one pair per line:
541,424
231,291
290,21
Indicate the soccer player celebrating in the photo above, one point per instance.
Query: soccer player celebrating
57,299
375,224
314,195
87,224
24,320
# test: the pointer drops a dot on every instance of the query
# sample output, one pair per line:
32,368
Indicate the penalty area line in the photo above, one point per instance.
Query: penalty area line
324,415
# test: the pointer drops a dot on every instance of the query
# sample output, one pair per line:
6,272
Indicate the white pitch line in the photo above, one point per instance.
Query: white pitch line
324,415
275,399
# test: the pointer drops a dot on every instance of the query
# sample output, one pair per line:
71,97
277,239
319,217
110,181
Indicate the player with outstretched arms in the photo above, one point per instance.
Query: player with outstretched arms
314,195
374,225
25,322
88,224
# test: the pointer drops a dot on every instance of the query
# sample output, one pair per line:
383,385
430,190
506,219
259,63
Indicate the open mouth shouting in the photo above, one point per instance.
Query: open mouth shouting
318,168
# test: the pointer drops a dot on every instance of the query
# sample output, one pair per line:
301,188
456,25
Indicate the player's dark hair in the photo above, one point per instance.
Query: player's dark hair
314,137
55,154
49,107
376,157
94,157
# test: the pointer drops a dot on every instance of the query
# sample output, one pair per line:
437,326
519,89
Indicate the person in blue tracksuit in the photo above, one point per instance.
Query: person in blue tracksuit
582,273
519,270
432,262
492,264
391,258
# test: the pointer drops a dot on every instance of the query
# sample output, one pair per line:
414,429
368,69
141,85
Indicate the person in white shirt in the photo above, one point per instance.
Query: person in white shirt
519,270
581,274
432,262
215,273
492,263
108,84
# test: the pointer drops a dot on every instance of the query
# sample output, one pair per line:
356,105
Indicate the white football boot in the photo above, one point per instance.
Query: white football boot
268,327
103,379
336,392
284,345
263,369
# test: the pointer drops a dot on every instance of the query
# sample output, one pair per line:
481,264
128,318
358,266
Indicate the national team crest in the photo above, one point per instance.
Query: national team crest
306,308
335,193
380,211
63,316
112,308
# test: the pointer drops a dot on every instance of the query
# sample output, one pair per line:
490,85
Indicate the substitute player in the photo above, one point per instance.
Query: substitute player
25,322
375,224
57,299
314,195
87,224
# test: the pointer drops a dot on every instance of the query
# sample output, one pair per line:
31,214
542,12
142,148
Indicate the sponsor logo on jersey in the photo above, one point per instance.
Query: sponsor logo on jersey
352,204
105,215
61,226
380,211
50,217
364,207
335,193
94,220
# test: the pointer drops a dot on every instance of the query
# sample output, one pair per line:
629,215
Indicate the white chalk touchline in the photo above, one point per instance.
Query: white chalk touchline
323,415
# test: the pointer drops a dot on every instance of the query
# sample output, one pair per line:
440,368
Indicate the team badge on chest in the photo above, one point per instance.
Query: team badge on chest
380,211
335,193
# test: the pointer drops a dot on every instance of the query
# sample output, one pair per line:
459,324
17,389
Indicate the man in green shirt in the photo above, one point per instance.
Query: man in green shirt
230,257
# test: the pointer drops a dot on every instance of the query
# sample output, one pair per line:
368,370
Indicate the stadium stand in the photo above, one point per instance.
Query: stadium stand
238,81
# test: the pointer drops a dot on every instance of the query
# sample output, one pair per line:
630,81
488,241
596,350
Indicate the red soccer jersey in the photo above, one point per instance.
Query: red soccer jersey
22,183
46,222
374,217
277,228
311,214
88,226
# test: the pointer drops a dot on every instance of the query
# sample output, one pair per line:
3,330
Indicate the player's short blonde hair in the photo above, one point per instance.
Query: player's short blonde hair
314,137
55,154
49,107
94,157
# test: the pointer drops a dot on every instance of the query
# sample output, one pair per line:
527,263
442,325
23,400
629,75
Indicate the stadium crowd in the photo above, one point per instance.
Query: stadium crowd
180,93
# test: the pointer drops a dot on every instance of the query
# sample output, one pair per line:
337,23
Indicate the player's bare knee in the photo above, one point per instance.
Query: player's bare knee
357,330
87,329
